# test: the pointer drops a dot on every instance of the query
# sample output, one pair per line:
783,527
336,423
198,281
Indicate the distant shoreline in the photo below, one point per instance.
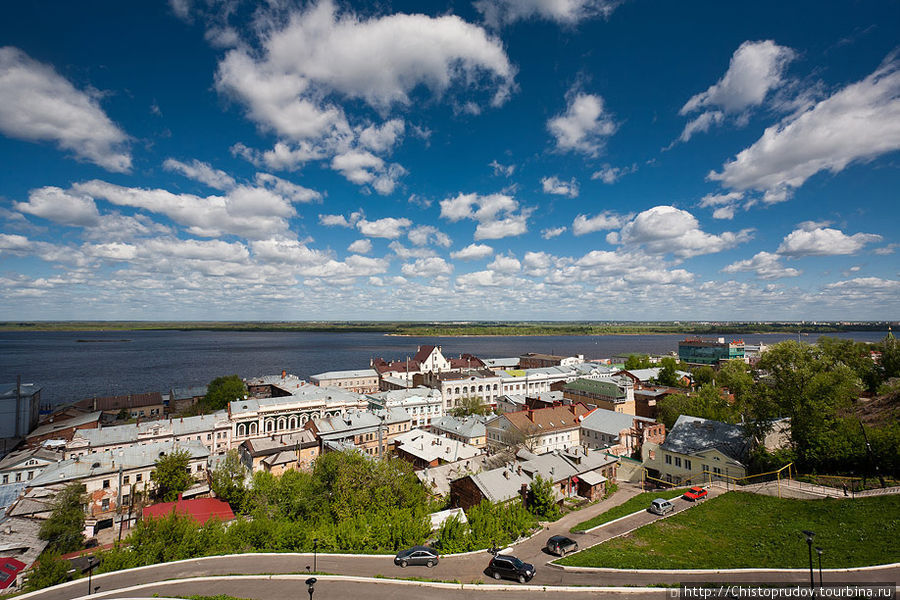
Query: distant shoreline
456,329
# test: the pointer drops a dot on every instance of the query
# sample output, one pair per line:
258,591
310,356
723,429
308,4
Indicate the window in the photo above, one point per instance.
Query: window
208,436
668,459
687,464
105,504
126,479
30,475
139,477
677,461
106,484
19,476
6,479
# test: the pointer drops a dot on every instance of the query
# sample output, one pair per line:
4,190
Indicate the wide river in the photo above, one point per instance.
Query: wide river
122,362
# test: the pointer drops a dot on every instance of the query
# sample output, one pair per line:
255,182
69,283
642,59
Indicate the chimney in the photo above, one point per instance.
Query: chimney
530,415
506,474
573,409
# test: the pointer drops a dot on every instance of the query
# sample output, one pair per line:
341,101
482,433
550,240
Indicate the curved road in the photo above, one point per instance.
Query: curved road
467,568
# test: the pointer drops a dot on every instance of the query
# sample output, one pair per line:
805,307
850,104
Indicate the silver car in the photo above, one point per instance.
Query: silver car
661,506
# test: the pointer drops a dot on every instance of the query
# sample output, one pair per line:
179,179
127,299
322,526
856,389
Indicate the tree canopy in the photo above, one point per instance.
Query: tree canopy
470,405
172,475
223,390
64,530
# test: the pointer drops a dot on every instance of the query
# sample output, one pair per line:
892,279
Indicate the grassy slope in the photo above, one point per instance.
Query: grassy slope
639,502
742,530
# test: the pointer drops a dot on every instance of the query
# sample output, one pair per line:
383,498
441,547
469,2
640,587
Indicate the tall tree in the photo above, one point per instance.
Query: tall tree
172,475
223,390
541,501
64,530
227,479
667,375
470,405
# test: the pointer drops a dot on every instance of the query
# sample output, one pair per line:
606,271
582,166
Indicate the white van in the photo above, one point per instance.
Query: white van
661,506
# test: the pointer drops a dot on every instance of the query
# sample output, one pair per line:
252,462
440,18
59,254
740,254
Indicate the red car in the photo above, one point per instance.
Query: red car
695,493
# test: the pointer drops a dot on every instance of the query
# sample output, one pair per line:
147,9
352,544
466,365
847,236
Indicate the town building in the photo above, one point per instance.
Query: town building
182,398
150,405
501,364
698,351
360,381
112,477
279,453
698,450
470,430
371,432
423,404
274,386
262,417
213,431
21,466
619,433
541,430
533,360
424,449
614,393
20,547
20,405
455,386
569,472
62,426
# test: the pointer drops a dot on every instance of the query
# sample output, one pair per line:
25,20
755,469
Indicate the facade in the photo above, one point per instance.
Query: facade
277,454
470,430
619,433
431,360
697,351
427,450
22,466
614,393
273,386
698,450
453,386
371,432
111,477
20,405
533,360
146,406
263,417
541,430
62,426
360,381
423,404
213,431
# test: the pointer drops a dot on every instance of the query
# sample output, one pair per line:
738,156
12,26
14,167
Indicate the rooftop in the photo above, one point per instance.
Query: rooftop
611,422
358,373
468,427
547,420
691,435
182,426
429,447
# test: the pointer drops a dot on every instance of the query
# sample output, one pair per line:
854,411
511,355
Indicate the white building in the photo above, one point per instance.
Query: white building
258,417
213,431
423,404
360,381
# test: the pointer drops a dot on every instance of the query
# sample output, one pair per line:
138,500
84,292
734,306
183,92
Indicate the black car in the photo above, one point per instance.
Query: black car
561,545
510,567
417,555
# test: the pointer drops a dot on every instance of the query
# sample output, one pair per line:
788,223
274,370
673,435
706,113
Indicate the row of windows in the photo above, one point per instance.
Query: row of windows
678,461
18,476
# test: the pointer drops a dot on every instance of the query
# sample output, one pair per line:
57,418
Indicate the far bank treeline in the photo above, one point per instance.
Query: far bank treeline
472,328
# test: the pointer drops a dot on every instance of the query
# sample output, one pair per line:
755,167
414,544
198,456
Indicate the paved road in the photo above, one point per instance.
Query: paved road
465,569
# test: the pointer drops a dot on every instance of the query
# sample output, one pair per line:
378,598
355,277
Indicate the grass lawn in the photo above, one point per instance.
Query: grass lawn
639,502
743,530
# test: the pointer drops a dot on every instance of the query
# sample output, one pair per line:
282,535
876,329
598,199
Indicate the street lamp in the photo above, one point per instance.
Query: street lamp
819,551
310,586
315,558
809,540
90,573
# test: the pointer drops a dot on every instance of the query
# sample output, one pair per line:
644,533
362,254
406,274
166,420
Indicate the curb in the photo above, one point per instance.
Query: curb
717,571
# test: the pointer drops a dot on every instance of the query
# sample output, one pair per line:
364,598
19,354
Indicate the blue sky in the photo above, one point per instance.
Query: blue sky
496,159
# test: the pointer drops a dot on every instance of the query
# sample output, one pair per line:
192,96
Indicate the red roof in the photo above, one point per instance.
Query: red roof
423,353
199,509
9,568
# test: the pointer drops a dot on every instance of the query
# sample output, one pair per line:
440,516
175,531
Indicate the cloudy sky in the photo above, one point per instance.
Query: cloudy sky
495,159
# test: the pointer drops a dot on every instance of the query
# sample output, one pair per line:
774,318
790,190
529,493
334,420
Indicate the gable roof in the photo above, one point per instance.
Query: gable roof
469,427
423,353
547,420
691,435
611,422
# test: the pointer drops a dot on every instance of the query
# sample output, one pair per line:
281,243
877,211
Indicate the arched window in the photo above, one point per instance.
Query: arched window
241,430
465,389
304,419
457,391
269,426
253,428
292,423
480,388
495,387
281,425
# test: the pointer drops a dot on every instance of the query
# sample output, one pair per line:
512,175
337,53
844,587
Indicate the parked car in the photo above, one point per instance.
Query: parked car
561,545
417,555
510,567
661,506
695,493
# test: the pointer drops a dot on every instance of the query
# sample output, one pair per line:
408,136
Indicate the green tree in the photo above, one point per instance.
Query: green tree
64,530
707,403
667,374
223,390
637,361
470,405
541,499
50,570
172,475
855,355
227,479
704,375
734,375
890,357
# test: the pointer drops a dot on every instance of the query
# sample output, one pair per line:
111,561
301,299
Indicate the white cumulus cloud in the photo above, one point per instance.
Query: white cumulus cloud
554,185
766,266
824,242
584,126
473,252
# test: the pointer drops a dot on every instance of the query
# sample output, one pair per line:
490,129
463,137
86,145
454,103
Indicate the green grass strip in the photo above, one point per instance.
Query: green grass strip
742,530
640,502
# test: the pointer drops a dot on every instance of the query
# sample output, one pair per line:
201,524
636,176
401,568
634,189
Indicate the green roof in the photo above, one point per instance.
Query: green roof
605,388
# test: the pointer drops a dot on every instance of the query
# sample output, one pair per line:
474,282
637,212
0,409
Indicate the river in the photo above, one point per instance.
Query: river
69,368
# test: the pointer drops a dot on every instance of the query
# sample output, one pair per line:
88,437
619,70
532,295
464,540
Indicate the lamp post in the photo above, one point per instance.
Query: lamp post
90,573
316,556
809,540
310,586
819,551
